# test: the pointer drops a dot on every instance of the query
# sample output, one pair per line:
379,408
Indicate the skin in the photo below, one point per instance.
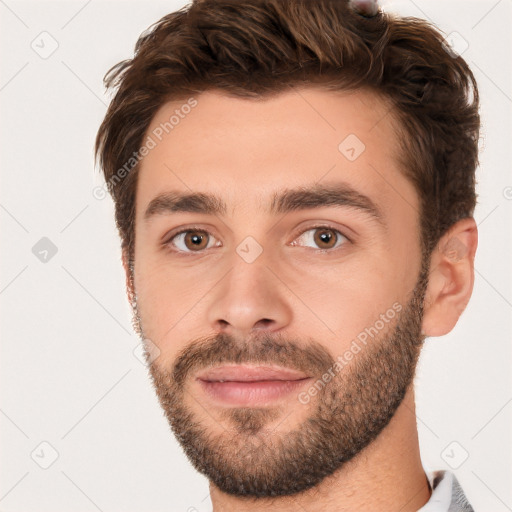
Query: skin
244,152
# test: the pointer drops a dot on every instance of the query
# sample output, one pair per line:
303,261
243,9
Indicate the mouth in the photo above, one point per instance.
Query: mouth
250,373
247,385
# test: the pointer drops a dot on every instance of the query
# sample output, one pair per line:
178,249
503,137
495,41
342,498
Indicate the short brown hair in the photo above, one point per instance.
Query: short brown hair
258,48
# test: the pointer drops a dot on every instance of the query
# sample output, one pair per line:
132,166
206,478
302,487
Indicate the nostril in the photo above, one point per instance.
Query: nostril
264,322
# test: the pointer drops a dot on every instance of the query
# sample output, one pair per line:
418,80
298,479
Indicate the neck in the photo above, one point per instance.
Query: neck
386,476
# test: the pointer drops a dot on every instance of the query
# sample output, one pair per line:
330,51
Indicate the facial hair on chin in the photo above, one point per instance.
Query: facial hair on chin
349,412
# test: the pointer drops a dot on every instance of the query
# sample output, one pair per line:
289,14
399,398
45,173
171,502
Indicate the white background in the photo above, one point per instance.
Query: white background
69,376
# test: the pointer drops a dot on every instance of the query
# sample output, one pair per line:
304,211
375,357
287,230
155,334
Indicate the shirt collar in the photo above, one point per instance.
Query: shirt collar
447,494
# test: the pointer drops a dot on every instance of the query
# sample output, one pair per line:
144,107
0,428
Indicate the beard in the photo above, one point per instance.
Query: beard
251,460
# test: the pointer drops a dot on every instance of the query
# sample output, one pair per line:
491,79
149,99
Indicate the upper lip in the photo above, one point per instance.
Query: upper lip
250,373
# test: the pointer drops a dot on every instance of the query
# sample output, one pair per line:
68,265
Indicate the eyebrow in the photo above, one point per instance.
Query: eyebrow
302,198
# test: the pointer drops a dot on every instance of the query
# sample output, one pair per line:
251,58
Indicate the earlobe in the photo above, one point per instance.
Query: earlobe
451,278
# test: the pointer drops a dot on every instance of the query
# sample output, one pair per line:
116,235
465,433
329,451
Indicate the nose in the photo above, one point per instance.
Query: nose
249,298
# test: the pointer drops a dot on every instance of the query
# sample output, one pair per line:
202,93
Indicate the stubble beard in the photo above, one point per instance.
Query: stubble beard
245,458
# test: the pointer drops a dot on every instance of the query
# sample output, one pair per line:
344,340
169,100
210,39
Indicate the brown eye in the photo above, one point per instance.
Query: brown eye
325,238
196,240
191,240
322,237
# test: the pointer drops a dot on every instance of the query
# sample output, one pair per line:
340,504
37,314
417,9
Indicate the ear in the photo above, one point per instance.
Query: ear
130,291
451,278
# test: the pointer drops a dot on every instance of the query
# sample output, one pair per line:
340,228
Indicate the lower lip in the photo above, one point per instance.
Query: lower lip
251,393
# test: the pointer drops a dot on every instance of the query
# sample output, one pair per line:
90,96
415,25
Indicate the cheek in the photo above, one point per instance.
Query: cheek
169,306
347,298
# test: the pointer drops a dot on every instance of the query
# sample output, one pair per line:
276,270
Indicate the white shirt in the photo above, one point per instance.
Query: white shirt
447,494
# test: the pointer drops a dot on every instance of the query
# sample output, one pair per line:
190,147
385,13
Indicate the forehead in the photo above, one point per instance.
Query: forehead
245,149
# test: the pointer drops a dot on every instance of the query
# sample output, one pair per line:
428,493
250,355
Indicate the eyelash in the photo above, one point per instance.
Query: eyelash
168,243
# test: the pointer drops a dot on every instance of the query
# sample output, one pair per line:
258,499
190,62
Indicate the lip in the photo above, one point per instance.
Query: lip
246,385
250,373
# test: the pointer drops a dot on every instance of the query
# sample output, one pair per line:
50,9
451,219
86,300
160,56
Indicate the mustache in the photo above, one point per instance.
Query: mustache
272,349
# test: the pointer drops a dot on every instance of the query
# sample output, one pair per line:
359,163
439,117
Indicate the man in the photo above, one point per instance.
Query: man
294,190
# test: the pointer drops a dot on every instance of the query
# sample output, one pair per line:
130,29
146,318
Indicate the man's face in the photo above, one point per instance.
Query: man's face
308,259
